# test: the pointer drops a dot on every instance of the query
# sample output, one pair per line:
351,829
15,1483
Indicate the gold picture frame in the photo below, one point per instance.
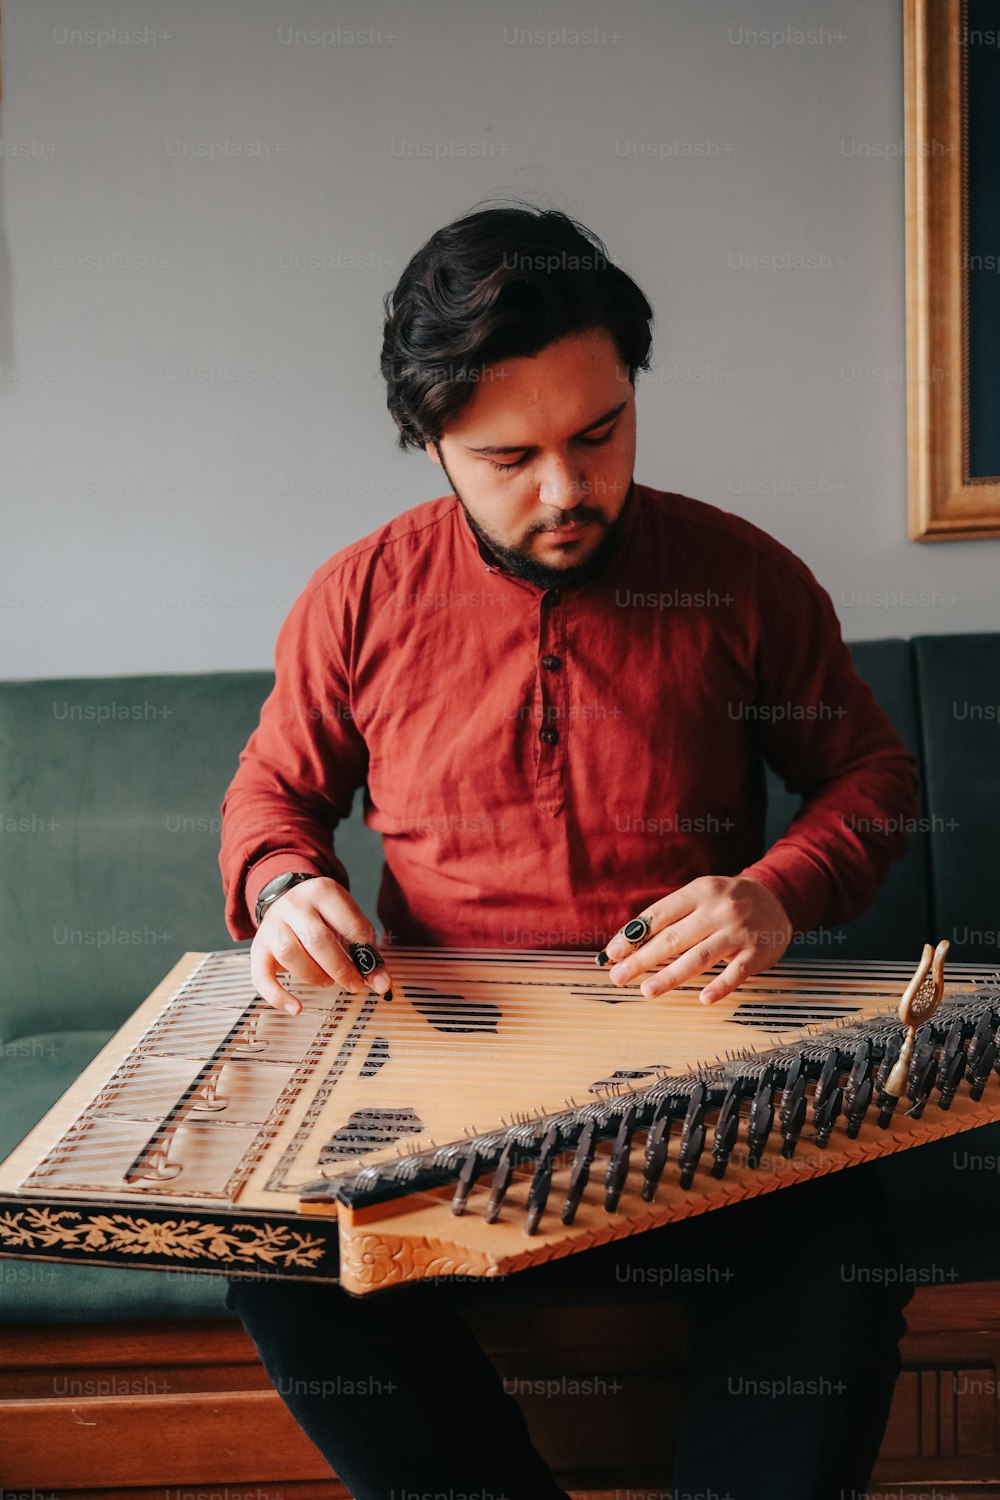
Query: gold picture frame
946,502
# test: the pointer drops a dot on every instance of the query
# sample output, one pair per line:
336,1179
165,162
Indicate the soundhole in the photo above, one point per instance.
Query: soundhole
447,1012
367,1130
607,997
378,1056
785,1017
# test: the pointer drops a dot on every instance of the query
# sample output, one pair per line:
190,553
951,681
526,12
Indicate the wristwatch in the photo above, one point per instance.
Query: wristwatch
275,888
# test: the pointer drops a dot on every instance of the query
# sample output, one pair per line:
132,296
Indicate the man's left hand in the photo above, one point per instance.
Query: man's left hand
711,919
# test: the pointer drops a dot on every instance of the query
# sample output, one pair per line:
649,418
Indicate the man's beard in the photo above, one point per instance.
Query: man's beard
522,565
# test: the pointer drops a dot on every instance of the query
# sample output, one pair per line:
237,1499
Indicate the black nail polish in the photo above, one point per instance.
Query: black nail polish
602,958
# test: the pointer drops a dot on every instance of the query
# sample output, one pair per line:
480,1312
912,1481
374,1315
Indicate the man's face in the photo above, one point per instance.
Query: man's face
561,424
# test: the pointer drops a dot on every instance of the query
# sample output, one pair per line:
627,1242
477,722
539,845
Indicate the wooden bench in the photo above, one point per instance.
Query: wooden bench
104,1412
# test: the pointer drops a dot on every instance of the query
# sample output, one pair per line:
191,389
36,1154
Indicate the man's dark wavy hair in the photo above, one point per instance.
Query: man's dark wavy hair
496,284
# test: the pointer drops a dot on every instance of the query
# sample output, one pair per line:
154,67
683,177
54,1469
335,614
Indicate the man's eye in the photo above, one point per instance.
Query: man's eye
596,442
590,443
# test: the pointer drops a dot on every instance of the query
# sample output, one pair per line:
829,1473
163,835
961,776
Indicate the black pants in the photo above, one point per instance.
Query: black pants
796,1299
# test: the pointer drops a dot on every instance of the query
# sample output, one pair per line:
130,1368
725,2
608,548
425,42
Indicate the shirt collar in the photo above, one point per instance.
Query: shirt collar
492,564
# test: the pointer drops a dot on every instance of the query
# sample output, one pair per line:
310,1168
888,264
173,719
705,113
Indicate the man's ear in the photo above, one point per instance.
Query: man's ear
432,453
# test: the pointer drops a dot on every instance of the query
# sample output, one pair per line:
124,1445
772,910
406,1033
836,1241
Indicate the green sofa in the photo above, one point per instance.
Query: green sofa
110,803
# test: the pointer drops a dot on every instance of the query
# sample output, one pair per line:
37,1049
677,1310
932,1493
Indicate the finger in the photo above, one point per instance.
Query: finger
291,955
323,947
352,926
696,960
264,973
659,915
663,946
741,968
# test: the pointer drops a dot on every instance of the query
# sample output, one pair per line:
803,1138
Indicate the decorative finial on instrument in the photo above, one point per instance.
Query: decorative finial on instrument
919,1001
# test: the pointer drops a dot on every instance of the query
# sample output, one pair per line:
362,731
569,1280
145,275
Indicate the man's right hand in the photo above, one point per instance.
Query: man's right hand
307,931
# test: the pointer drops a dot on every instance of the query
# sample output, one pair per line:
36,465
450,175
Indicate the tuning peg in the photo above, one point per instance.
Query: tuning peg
795,1118
826,1117
618,1165
979,1070
538,1193
726,1130
857,1108
657,1146
580,1171
949,1077
829,1074
692,1135
501,1182
466,1179
795,1072
893,1047
761,1119
921,1084
859,1071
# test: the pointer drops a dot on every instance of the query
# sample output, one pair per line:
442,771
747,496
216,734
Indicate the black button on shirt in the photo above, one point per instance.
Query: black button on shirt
548,735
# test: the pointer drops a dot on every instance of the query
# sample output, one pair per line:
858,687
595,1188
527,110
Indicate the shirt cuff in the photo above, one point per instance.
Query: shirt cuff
277,864
800,884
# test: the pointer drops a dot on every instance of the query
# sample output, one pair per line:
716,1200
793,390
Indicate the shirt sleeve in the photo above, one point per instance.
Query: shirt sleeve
819,727
300,769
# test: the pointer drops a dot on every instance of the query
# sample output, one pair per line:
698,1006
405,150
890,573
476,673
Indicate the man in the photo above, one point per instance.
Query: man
558,687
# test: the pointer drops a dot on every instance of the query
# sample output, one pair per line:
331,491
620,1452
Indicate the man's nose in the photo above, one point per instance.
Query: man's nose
562,483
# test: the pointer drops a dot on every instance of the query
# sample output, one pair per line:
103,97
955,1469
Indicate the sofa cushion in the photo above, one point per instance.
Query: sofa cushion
34,1071
898,923
958,677
110,790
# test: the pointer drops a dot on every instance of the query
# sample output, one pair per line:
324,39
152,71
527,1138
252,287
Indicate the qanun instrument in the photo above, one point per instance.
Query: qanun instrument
506,1108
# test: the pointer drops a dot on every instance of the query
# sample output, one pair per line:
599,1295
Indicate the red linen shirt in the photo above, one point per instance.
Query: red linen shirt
542,764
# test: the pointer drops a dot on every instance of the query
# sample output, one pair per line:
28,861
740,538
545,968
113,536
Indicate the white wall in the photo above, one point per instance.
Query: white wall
155,520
